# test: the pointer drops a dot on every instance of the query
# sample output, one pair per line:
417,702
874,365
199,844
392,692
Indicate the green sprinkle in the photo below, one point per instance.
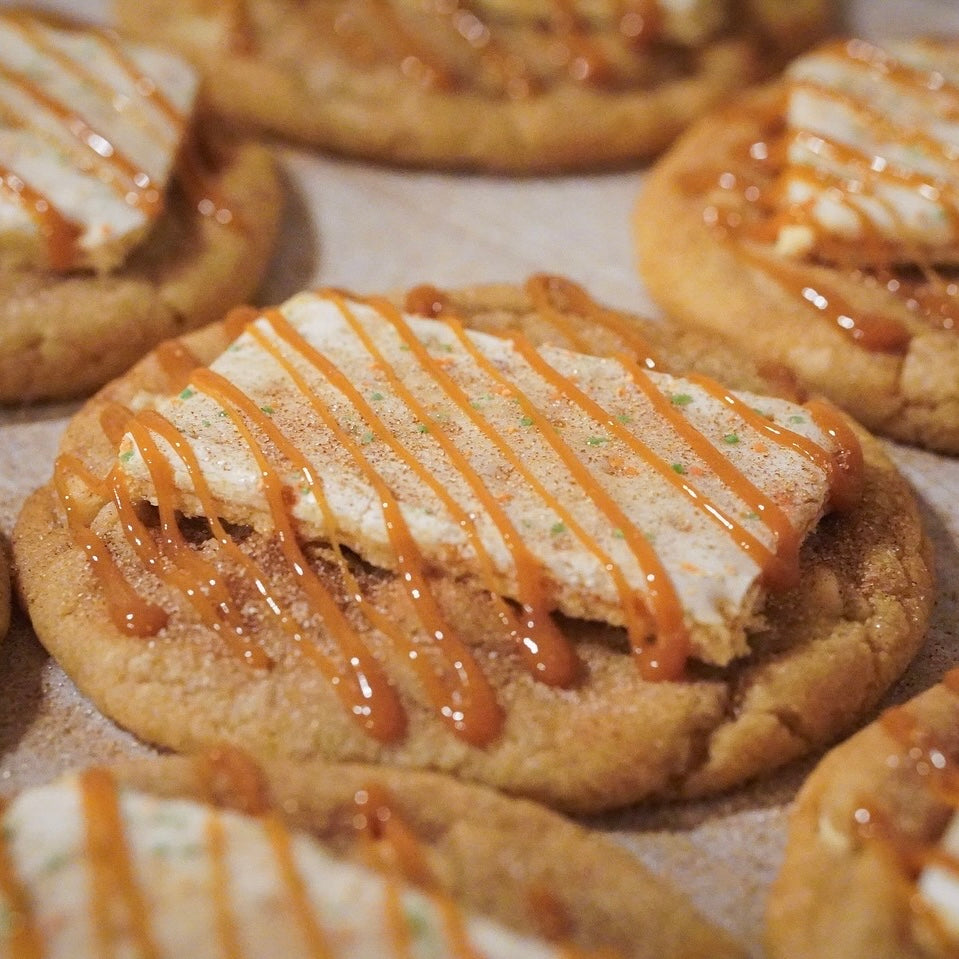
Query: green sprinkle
597,440
752,516
223,413
679,468
681,399
405,347
619,534
267,409
623,418
376,396
127,456
422,428
475,404
56,862
557,528
187,393
367,438
731,438
207,423
418,924
526,421
796,418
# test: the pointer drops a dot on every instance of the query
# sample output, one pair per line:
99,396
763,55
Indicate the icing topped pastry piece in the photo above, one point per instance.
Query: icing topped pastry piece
90,129
168,857
660,503
872,151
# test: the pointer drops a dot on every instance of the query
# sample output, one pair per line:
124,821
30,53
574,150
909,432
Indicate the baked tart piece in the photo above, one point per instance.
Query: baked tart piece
120,224
871,860
373,529
519,87
212,855
815,222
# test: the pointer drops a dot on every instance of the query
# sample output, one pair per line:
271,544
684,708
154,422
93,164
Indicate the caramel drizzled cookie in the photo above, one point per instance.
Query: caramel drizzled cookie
212,856
520,87
120,224
871,861
816,222
372,529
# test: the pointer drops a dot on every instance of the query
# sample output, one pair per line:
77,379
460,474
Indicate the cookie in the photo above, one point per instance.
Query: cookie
870,867
194,856
266,597
509,87
803,222
120,224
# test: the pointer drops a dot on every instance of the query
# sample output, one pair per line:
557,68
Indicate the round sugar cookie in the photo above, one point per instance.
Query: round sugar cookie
879,342
65,334
332,851
864,839
818,657
509,87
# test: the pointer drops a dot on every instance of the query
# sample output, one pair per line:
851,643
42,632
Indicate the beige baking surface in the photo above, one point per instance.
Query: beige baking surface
370,229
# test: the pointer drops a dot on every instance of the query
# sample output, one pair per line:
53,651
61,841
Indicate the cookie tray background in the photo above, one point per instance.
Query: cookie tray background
369,229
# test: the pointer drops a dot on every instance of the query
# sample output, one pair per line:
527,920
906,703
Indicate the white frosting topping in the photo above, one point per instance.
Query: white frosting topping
716,581
83,127
873,145
175,870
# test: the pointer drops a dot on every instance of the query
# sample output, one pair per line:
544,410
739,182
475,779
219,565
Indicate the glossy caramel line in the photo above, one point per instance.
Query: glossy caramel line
128,611
21,935
58,232
228,935
176,563
369,698
541,288
664,657
452,389
113,881
780,568
132,182
546,651
460,692
297,894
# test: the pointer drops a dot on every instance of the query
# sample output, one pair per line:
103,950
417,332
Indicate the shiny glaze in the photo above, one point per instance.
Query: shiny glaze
746,208
454,683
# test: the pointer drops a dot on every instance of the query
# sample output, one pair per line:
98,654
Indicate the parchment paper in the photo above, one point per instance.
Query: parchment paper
370,229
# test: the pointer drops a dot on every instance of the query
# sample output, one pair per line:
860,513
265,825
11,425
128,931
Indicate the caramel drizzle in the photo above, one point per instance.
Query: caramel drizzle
460,692
22,935
58,231
780,568
370,698
228,936
297,893
664,657
112,877
61,234
546,652
843,468
542,287
129,612
458,689
133,184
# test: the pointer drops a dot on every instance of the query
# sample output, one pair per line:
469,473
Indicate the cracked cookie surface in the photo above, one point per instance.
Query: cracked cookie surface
820,656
